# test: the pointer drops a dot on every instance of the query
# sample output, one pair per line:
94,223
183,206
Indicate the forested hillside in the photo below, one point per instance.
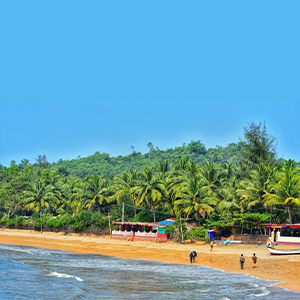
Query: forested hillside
103,164
242,184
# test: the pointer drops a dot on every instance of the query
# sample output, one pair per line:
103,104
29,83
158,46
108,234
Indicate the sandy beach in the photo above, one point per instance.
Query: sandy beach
281,268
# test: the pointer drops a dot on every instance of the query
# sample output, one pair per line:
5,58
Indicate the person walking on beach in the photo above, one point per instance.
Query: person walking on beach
194,255
192,258
242,261
211,245
254,260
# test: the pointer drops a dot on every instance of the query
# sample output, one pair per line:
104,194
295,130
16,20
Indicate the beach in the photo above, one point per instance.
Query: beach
285,269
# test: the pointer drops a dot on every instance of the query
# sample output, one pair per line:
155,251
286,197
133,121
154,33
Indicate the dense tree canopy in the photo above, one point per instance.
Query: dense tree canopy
187,181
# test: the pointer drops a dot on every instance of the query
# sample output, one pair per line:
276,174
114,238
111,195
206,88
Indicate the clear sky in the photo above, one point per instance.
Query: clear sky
78,77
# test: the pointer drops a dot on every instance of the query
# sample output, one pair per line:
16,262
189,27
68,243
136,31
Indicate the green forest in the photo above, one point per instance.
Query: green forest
242,184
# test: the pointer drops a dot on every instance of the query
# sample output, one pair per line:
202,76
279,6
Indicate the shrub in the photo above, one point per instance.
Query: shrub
53,223
19,221
37,223
85,217
28,221
170,229
11,223
4,219
99,220
66,220
198,234
78,226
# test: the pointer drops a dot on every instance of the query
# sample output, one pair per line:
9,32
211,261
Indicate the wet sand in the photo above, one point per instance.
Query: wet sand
281,268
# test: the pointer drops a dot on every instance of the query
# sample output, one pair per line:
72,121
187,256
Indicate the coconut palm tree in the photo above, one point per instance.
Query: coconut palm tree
70,195
150,189
253,190
181,163
163,169
94,191
286,190
39,196
229,199
192,198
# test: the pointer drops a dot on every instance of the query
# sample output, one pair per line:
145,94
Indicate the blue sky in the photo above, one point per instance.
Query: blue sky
84,76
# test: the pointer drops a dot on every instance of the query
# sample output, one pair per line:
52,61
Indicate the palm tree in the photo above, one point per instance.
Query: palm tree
181,163
38,196
122,184
163,169
253,190
286,191
95,191
227,194
192,198
70,195
150,189
212,175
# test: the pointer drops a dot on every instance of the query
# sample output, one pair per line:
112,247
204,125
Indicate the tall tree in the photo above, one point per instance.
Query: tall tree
258,146
41,161
150,190
286,191
39,196
192,198
96,190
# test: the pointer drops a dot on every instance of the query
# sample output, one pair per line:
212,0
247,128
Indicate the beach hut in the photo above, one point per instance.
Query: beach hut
284,234
138,230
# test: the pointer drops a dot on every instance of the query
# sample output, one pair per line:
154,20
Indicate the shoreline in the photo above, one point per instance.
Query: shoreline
285,269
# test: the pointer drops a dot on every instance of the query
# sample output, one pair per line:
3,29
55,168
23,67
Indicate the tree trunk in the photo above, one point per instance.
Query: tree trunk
154,213
271,214
290,218
41,221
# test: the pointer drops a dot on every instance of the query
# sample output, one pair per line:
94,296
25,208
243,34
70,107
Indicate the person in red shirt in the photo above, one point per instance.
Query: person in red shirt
254,260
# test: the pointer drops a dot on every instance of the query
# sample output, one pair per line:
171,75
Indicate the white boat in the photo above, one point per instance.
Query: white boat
274,251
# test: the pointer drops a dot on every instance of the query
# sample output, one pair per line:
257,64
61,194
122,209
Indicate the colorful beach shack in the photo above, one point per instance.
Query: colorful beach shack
284,234
137,230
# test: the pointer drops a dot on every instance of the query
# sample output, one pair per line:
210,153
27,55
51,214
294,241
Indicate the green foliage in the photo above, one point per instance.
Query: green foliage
66,220
170,229
199,234
78,226
103,164
83,217
189,180
11,223
53,223
28,221
37,223
218,221
143,216
99,220
19,221
4,219
259,147
251,220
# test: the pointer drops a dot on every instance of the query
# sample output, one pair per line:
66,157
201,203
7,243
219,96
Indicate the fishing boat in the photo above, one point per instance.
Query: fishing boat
274,251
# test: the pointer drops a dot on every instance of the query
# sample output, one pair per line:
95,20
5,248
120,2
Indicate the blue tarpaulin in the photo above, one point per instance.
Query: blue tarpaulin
165,222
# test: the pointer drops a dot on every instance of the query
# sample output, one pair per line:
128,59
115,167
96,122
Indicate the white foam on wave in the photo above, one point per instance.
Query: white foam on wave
224,298
253,284
264,292
62,275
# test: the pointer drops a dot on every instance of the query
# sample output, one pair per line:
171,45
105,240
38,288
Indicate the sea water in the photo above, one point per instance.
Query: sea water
33,273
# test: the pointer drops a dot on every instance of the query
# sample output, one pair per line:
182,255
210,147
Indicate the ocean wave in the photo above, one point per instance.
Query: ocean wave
62,275
253,284
264,292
